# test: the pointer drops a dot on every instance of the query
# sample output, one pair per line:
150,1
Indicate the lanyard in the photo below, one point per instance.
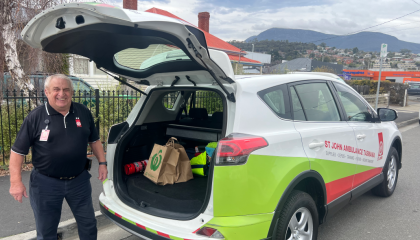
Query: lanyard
48,121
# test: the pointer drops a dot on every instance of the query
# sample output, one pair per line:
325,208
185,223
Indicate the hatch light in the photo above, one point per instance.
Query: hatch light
210,232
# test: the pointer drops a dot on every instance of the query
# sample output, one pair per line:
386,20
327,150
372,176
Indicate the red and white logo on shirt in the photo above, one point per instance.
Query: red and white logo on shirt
78,123
381,146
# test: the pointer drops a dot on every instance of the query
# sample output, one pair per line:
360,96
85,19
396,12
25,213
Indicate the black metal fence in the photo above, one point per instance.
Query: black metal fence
209,100
107,107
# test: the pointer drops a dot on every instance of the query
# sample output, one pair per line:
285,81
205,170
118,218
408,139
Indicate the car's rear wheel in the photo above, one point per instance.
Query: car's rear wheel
298,219
390,171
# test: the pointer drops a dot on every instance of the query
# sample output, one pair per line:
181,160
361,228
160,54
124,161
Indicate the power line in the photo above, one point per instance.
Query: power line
416,2
364,28
399,30
396,25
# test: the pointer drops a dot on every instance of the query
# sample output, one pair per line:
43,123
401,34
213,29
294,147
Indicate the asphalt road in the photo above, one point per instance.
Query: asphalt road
18,217
406,115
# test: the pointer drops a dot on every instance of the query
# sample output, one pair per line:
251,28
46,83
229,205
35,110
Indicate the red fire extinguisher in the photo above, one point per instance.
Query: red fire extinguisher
135,167
196,152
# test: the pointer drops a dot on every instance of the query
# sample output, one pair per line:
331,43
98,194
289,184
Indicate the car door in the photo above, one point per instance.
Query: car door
328,141
370,135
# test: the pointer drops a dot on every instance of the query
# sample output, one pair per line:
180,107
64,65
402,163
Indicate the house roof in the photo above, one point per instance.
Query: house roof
212,41
243,59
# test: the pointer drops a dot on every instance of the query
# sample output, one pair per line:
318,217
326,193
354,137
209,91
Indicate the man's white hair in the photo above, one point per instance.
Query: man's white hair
62,76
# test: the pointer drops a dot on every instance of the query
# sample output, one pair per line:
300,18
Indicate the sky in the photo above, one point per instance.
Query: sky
240,19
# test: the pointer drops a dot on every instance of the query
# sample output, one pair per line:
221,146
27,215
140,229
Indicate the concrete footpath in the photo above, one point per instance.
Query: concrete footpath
17,218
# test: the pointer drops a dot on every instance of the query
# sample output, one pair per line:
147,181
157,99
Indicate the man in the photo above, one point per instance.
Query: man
58,133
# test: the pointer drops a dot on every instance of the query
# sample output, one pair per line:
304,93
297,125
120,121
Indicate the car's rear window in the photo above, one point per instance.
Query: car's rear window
277,99
143,58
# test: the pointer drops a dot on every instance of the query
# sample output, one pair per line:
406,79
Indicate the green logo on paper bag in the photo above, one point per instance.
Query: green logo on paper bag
156,161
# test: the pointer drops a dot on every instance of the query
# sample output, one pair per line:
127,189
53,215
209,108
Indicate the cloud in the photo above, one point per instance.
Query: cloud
238,20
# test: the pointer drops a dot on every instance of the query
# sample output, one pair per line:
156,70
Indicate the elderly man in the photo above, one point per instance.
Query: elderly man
58,133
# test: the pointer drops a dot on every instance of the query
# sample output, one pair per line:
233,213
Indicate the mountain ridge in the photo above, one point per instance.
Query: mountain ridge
366,41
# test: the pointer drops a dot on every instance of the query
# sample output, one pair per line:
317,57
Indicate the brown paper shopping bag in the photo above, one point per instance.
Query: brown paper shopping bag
184,165
163,161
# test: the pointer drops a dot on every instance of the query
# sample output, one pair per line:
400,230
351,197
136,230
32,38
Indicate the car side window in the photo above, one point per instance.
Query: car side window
298,113
277,99
356,109
318,102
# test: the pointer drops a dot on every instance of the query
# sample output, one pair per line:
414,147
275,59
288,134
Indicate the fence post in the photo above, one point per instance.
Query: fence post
405,97
97,109
389,98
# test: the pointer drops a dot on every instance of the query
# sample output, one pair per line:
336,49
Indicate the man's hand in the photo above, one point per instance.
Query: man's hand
17,190
103,172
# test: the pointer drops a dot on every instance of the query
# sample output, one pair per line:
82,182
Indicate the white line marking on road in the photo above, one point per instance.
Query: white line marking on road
409,127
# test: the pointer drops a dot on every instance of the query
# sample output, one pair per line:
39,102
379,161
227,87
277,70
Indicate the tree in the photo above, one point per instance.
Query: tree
323,45
275,55
312,55
355,50
327,59
405,51
324,69
352,65
19,58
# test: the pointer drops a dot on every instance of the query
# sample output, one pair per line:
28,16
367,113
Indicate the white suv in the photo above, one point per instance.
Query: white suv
291,149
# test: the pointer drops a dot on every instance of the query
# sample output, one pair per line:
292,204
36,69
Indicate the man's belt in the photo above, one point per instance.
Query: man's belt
61,178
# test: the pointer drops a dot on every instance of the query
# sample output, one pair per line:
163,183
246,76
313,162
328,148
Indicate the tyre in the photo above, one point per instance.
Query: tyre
390,171
298,219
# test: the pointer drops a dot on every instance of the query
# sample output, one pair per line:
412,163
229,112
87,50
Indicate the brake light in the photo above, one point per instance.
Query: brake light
210,232
235,148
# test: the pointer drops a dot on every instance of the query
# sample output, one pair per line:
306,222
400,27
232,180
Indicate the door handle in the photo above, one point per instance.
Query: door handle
316,145
360,136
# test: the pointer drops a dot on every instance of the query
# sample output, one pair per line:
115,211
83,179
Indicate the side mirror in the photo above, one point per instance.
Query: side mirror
386,114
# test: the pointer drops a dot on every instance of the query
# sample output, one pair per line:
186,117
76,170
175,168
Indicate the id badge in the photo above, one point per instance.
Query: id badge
44,135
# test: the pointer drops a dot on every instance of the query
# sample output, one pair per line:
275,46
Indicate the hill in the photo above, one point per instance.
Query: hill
366,41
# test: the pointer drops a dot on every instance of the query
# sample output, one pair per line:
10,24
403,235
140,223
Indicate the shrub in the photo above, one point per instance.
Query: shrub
397,90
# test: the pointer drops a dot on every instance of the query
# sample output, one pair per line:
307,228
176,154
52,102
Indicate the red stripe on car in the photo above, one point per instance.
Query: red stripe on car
118,215
163,234
362,177
140,226
337,188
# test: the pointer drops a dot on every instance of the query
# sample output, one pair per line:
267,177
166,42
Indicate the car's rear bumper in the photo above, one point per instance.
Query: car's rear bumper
132,228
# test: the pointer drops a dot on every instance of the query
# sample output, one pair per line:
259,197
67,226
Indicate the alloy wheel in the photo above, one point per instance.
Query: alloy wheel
300,225
392,172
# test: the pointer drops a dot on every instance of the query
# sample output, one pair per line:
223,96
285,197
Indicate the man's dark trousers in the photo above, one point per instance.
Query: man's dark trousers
46,196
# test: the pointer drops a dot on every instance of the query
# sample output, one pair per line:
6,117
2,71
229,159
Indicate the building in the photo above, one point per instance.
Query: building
254,68
409,66
393,76
303,65
377,64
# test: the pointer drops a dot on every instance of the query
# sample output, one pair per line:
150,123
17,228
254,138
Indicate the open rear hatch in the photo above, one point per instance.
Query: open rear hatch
144,47
131,44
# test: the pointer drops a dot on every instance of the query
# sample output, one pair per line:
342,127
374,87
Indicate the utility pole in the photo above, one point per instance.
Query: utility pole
383,54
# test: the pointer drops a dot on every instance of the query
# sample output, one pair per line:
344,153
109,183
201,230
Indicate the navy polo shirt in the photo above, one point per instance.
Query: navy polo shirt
64,153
